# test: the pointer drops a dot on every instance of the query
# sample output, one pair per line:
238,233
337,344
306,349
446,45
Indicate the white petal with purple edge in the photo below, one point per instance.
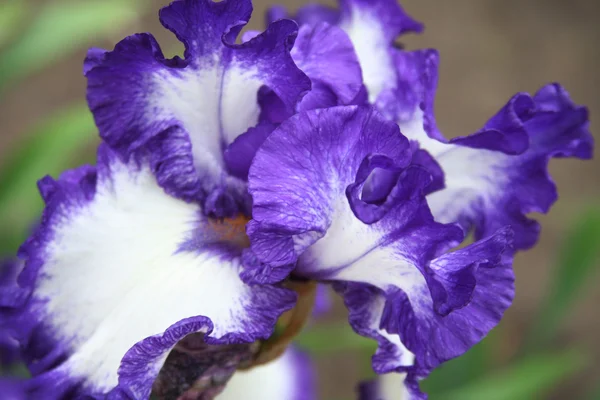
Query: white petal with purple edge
187,111
121,271
373,26
498,175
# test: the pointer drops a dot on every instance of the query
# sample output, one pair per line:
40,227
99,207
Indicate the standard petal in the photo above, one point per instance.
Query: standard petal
193,107
120,272
290,377
307,209
372,25
410,100
325,53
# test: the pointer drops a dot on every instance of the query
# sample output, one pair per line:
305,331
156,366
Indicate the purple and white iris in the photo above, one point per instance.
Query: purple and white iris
309,152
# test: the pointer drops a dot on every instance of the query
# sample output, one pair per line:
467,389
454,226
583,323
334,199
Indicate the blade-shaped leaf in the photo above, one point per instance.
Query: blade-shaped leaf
59,28
530,378
56,144
578,260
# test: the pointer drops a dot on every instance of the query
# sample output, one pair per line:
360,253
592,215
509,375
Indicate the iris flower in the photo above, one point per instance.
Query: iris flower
230,181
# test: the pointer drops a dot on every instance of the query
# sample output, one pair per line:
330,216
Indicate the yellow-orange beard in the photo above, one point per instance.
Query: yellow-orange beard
231,230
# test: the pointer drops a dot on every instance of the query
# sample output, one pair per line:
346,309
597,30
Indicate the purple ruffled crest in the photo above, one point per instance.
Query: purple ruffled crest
381,181
402,285
309,166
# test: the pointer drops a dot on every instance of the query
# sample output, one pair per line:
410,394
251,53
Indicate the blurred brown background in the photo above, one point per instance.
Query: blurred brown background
490,49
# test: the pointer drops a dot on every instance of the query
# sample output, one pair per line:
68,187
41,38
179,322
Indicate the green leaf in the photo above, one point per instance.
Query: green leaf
531,378
12,15
59,28
333,338
577,261
56,144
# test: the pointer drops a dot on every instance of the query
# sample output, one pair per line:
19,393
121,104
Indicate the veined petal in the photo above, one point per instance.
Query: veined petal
498,175
410,101
289,377
428,333
306,188
190,110
365,305
373,26
120,272
303,182
325,53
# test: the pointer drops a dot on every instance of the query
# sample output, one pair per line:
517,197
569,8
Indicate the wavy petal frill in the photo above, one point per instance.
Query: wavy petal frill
326,55
388,258
117,273
494,177
372,26
498,175
289,377
187,111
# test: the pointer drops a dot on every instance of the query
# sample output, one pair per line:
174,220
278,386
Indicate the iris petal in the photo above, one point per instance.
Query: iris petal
189,110
119,272
402,284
